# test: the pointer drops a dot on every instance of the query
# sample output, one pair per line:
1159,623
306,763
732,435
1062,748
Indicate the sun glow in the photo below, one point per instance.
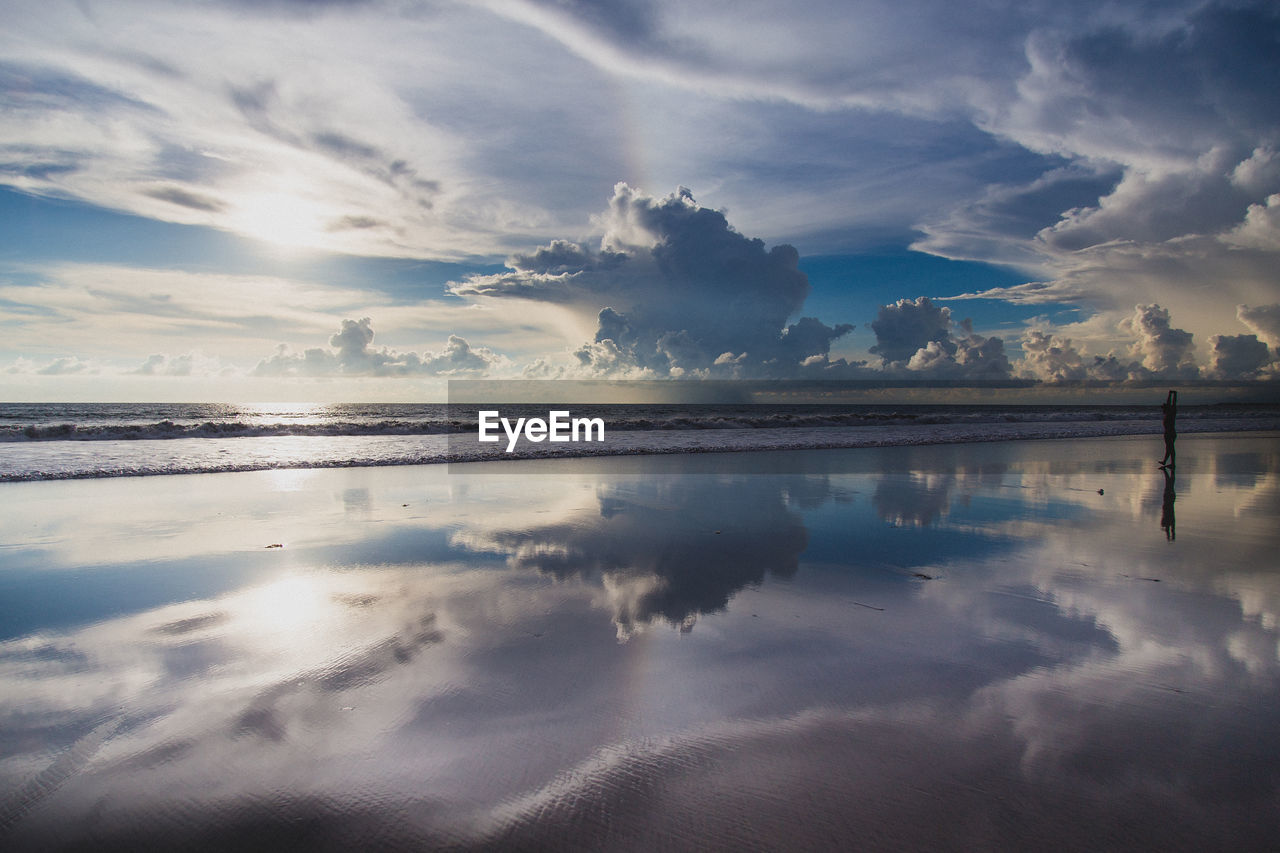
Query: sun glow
283,219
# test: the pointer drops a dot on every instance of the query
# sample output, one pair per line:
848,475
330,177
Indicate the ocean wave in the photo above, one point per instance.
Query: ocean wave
69,460
621,419
168,429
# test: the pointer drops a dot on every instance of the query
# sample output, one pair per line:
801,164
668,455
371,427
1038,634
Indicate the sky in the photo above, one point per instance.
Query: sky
326,201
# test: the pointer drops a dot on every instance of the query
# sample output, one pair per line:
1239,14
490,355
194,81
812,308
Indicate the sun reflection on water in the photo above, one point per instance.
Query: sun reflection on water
293,606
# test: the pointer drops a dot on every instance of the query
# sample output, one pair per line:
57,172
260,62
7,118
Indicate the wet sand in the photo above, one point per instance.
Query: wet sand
1032,645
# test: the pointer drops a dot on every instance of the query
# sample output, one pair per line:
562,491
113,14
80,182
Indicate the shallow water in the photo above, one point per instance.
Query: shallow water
913,647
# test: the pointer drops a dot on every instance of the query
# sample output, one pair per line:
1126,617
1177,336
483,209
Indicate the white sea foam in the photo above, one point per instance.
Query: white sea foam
90,422
48,460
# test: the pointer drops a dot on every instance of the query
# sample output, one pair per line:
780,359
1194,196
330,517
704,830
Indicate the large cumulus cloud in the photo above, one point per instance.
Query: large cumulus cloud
917,336
1238,357
354,355
1055,358
1162,349
1262,320
1156,350
676,291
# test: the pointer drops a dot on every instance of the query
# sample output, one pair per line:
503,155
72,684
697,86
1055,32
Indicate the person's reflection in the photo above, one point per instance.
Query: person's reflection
1166,510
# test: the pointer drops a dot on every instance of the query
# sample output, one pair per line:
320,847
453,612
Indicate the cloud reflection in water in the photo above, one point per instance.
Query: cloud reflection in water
891,647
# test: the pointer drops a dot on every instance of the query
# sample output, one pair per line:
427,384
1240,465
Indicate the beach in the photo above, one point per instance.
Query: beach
1037,644
639,426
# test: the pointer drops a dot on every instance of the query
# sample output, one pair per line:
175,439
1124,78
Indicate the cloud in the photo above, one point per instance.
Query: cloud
676,291
1153,207
205,99
346,223
1161,349
1171,110
186,198
66,366
915,335
918,337
1003,222
1237,357
187,364
907,326
1261,226
1052,358
1155,350
235,127
458,357
158,364
611,544
880,57
1117,154
1153,91
1141,344
1263,320
353,355
125,313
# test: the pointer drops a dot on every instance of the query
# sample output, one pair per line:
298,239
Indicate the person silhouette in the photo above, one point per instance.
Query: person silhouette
1169,412
1167,521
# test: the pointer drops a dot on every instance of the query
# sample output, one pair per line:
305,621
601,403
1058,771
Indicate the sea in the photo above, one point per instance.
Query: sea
53,441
